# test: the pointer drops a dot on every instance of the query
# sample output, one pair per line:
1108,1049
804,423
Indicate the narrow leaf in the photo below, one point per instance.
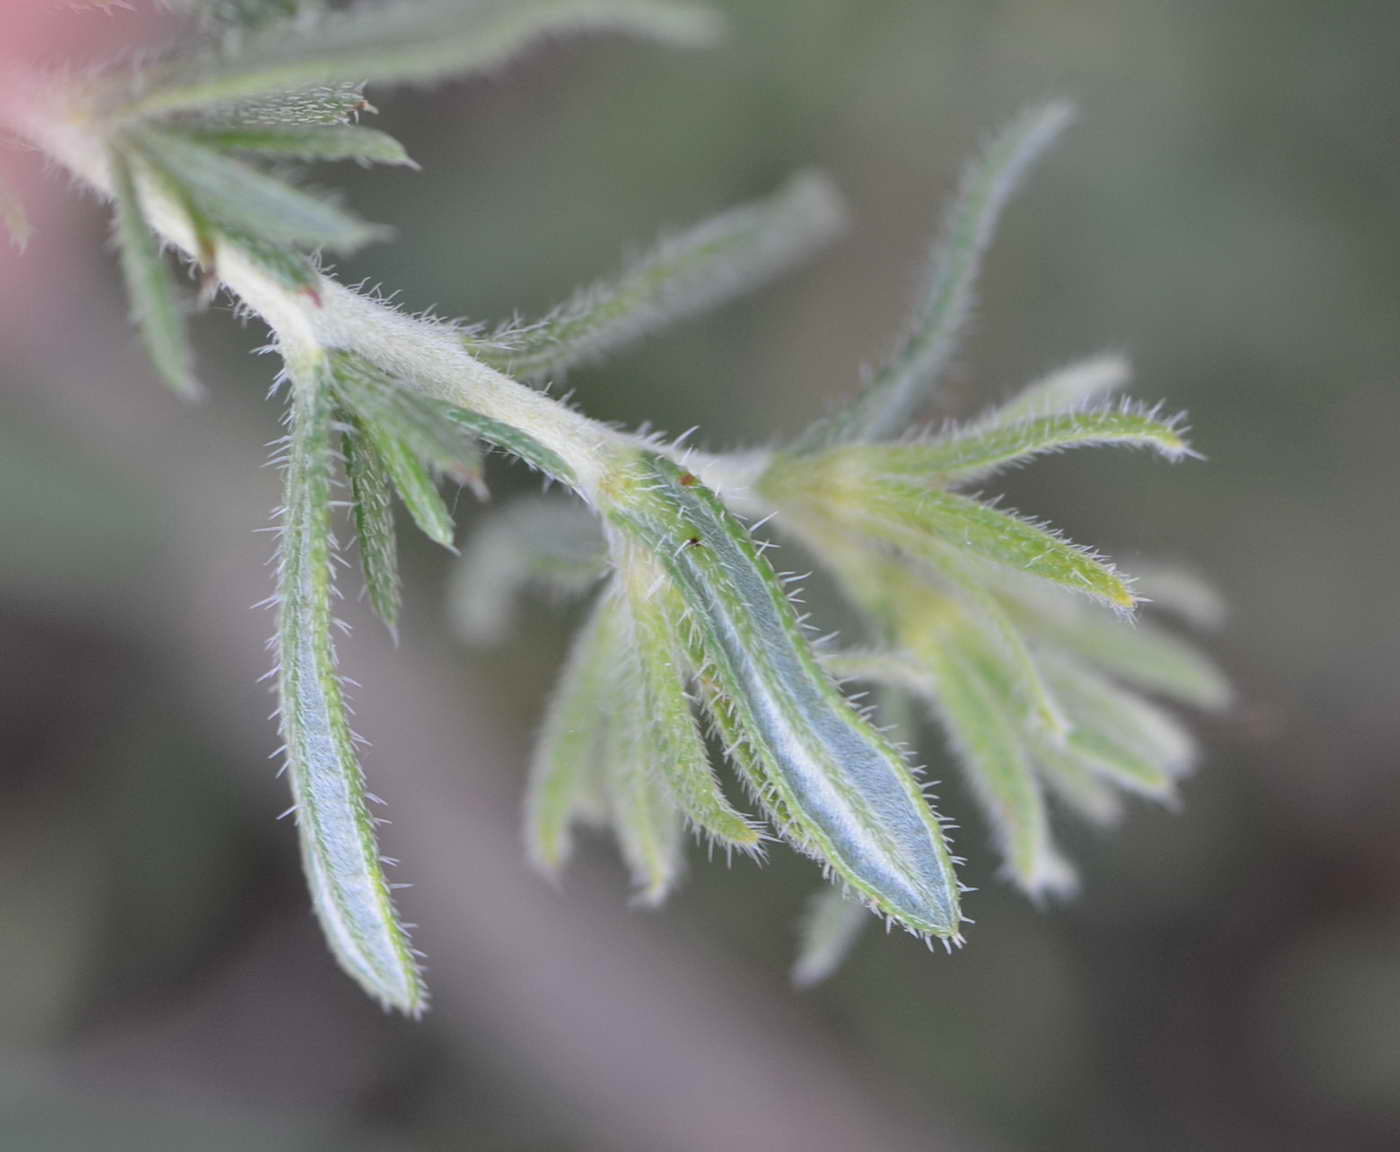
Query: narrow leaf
530,543
829,931
567,770
646,822
374,520
684,274
1067,773
885,408
325,104
348,888
287,266
916,607
677,748
835,786
1181,591
1067,389
148,282
404,41
978,711
1144,654
416,488
310,142
1136,743
896,669
990,445
237,196
428,428
1072,778
923,522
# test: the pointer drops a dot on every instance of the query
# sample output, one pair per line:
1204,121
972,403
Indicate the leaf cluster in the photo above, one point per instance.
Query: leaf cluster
1015,638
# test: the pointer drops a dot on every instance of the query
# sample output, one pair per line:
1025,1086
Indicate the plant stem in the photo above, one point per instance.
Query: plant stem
64,123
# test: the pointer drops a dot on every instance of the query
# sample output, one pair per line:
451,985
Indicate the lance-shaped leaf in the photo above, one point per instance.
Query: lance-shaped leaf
1140,746
893,668
923,522
303,142
348,888
684,274
401,41
1181,591
1070,775
148,282
13,217
568,768
1017,665
324,104
432,431
374,520
1147,656
1067,389
978,710
888,403
677,749
987,446
829,931
835,786
415,486
287,266
1072,778
529,543
238,196
645,820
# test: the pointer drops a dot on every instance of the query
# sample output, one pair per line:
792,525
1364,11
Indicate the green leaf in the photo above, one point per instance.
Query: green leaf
1067,389
374,520
428,428
888,403
287,266
1017,666
1072,777
646,822
678,750
416,488
832,783
979,714
14,218
238,197
517,443
1181,591
684,274
829,931
325,104
348,888
1119,734
923,523
1144,655
895,669
310,142
148,283
398,42
567,770
531,542
990,445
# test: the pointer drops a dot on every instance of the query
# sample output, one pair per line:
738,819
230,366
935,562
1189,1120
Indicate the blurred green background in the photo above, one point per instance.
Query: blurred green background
1227,210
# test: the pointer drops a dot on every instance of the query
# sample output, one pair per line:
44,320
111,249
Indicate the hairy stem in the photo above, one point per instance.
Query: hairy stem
64,123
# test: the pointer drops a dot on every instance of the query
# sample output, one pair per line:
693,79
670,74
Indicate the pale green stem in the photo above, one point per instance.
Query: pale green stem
62,123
